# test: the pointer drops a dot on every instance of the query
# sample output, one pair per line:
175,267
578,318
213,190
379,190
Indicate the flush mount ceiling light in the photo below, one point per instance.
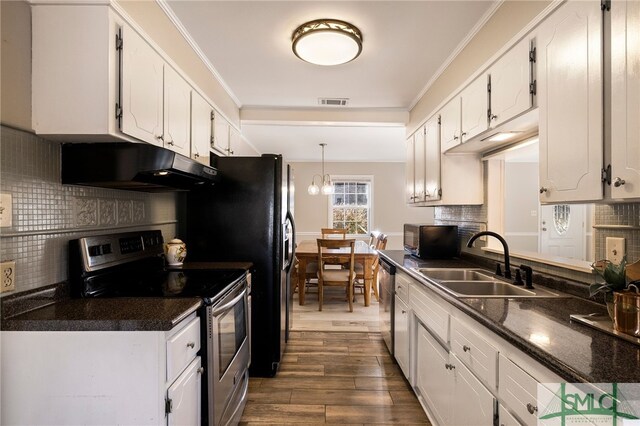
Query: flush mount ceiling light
327,42
327,185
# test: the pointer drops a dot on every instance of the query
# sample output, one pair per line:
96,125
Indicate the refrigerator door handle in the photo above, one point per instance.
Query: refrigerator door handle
292,247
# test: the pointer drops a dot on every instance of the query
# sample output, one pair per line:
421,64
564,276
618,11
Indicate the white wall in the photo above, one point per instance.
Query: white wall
390,211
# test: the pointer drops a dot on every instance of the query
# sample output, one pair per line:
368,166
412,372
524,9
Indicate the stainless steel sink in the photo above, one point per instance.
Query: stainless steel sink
442,274
478,283
485,288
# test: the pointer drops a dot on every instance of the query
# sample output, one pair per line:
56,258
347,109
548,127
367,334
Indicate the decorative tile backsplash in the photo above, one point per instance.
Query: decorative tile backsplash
47,214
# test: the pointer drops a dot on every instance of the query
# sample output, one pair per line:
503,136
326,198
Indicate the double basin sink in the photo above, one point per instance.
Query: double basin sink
478,284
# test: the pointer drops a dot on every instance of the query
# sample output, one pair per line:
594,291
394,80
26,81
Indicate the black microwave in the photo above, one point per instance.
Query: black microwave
431,241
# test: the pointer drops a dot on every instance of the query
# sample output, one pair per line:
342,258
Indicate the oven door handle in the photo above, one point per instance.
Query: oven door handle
220,309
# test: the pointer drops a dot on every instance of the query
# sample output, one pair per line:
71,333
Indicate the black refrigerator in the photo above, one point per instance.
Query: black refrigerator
247,216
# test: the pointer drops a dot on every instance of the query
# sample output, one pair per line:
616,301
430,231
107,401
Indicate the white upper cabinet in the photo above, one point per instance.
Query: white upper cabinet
432,160
74,72
177,112
474,106
450,124
235,141
98,79
410,171
201,128
570,101
142,90
625,99
510,78
419,165
220,135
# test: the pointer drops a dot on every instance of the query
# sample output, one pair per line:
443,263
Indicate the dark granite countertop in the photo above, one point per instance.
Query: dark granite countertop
122,314
542,329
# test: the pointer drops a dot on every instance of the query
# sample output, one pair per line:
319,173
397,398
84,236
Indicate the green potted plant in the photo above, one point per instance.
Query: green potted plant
615,279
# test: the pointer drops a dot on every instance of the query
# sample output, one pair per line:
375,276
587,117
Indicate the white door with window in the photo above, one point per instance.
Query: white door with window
562,230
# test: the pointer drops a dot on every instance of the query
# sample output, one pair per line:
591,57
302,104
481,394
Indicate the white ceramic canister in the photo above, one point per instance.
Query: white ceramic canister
175,252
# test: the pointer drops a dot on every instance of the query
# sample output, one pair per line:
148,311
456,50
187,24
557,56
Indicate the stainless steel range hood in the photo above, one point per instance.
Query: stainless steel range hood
132,166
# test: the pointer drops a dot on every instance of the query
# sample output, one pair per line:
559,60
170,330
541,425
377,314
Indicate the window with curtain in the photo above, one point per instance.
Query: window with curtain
350,205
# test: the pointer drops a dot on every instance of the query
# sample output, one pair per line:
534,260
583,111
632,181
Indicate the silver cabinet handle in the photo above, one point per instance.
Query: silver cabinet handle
160,138
403,311
493,117
543,189
618,182
464,134
399,287
170,143
466,348
200,370
455,138
531,408
191,345
449,366
196,155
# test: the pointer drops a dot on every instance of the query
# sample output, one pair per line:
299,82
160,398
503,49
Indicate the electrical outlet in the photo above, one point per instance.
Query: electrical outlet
8,270
615,249
6,211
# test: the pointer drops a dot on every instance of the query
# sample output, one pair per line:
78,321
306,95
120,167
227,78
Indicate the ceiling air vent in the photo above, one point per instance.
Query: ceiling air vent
333,101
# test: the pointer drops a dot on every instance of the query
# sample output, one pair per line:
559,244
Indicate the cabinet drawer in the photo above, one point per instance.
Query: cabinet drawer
182,348
475,352
402,287
429,311
518,390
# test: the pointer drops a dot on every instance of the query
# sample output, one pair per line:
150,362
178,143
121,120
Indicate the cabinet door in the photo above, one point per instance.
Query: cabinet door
234,140
433,380
506,418
510,78
177,112
201,127
570,102
625,99
475,104
410,172
477,402
142,89
419,165
450,124
401,335
220,134
185,396
432,160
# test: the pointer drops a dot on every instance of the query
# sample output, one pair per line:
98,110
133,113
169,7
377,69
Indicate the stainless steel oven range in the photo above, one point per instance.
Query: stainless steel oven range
132,265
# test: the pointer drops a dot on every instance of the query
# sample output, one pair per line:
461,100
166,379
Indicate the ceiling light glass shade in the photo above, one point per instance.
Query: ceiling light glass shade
313,189
327,188
327,42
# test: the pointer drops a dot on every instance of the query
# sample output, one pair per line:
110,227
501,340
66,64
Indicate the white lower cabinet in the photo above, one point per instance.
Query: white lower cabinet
185,396
401,346
506,419
451,392
102,377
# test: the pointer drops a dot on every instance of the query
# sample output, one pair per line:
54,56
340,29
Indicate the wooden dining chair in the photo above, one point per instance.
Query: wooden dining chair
335,277
380,244
333,232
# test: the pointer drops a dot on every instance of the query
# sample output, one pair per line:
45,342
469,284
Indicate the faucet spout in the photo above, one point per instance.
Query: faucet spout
505,247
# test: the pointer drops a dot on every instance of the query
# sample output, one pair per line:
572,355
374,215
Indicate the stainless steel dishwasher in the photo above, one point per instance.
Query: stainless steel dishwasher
387,281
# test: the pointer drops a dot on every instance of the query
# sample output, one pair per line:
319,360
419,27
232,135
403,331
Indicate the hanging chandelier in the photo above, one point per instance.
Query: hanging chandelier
327,185
327,42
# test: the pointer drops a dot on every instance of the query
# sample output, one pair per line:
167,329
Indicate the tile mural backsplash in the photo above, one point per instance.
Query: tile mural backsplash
46,214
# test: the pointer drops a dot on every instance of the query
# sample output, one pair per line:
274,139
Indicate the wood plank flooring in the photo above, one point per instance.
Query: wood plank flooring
345,378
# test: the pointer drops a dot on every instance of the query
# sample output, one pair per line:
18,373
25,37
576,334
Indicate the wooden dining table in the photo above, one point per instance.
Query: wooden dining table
307,251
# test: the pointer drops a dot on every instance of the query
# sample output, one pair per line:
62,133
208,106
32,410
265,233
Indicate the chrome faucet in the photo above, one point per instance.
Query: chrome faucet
505,247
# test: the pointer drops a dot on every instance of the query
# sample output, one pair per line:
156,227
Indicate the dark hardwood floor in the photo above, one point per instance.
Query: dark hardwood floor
345,378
